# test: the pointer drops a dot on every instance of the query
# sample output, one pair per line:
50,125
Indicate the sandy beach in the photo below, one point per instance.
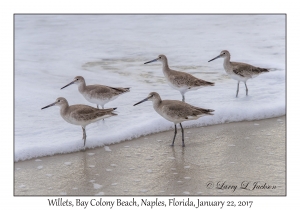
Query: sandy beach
241,158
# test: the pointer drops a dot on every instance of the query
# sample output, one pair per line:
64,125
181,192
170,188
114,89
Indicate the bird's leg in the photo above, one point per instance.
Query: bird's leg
102,108
97,106
174,135
246,89
237,90
182,132
183,98
84,136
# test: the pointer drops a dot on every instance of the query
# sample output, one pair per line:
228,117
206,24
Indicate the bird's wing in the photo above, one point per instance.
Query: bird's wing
176,110
84,112
118,90
182,78
181,110
246,70
98,89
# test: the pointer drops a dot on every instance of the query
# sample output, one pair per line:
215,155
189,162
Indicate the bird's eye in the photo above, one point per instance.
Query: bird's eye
58,101
159,57
77,79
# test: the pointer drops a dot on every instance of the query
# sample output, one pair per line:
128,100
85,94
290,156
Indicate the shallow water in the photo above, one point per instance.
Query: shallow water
50,50
218,160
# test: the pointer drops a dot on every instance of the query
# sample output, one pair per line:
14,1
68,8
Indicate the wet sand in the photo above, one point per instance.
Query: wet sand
243,158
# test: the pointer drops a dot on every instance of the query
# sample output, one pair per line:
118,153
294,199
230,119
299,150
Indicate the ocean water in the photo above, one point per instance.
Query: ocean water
50,50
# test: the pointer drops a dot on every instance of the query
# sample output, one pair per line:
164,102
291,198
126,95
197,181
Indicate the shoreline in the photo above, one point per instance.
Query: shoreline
240,158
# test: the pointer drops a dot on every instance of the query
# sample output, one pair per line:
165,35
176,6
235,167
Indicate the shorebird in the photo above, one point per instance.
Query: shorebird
97,94
239,71
181,81
175,111
81,114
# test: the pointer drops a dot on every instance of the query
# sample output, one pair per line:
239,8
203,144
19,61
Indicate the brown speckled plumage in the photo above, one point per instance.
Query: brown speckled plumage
180,111
180,79
87,113
246,70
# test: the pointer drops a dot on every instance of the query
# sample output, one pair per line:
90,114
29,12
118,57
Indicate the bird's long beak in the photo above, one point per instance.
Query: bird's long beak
215,58
49,105
68,84
146,99
152,61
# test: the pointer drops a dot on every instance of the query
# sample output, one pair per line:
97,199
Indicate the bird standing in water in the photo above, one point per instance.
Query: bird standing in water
175,111
97,94
239,71
181,81
82,115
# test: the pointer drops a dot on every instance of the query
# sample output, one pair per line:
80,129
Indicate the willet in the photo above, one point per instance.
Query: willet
175,111
97,94
181,81
81,114
239,71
